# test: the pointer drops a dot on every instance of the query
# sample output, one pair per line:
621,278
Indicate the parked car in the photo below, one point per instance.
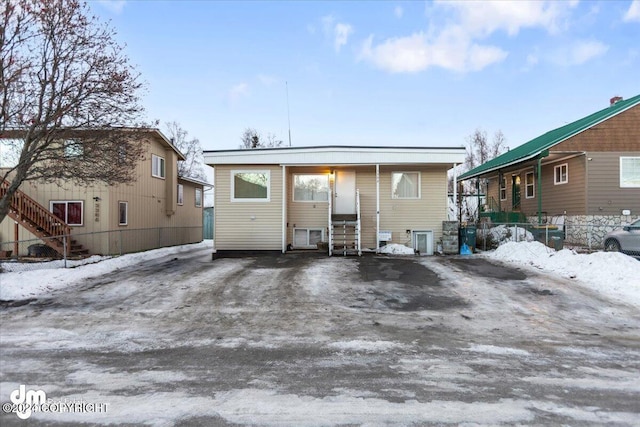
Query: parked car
625,239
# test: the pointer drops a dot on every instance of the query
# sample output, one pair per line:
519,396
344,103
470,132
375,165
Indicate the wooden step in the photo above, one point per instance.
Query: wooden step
344,217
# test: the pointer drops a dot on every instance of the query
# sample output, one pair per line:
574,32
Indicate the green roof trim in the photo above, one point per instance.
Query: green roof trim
533,148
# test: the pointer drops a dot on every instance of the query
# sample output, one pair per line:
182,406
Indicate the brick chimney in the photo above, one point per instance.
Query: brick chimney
614,100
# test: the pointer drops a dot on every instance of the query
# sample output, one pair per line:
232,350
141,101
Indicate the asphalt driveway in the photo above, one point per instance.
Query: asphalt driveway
307,340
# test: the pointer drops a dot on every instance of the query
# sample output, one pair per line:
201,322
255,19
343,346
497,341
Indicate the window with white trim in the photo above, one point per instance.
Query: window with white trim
561,174
157,166
629,172
405,185
503,188
71,212
180,194
310,187
530,186
73,148
198,198
250,185
307,237
123,213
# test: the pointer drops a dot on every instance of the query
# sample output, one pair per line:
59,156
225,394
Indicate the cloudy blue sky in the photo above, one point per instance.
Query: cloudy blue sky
381,72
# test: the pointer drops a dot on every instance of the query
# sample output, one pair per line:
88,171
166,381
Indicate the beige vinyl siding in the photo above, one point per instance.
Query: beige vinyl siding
604,195
247,225
95,213
305,214
147,209
426,213
399,215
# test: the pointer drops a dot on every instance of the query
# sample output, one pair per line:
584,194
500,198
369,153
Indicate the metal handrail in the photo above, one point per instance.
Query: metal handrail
330,224
358,222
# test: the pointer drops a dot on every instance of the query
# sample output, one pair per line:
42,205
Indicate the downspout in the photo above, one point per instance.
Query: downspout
377,207
478,195
455,193
284,209
500,191
545,153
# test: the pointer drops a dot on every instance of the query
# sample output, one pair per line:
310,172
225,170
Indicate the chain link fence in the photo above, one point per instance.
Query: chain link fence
582,237
33,254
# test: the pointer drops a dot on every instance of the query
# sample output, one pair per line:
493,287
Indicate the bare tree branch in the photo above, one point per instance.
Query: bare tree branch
252,139
64,77
192,167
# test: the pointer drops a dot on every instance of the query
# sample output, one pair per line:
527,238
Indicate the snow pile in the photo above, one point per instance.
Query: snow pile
503,234
609,273
396,249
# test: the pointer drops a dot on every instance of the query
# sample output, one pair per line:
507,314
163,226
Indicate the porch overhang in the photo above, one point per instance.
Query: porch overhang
336,155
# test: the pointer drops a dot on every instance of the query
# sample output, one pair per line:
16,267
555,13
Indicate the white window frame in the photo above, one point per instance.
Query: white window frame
555,174
309,230
180,194
73,148
256,171
158,167
394,197
293,196
67,210
198,198
623,184
527,186
126,212
502,189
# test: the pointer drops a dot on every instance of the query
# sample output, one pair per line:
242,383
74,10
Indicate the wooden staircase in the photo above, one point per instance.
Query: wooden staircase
40,222
344,231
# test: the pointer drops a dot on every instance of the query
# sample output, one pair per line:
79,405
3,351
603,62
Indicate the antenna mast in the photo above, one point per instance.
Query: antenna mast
286,84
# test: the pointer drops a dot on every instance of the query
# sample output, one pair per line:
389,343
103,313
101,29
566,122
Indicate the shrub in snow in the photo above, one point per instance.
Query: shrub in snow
496,236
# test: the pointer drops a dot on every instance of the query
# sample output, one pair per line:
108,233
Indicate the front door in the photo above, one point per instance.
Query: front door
345,193
515,192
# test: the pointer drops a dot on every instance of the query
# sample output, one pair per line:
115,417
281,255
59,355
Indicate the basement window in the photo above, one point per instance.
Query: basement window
307,238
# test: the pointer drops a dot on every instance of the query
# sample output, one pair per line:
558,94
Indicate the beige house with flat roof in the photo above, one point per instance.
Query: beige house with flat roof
158,209
351,199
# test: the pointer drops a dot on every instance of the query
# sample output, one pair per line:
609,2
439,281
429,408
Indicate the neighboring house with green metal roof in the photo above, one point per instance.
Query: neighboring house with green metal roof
586,172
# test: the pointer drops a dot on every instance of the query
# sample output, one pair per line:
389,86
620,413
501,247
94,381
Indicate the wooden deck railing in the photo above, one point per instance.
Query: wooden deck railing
24,208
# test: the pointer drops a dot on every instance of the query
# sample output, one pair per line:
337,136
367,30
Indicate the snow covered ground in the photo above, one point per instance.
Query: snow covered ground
170,337
45,277
609,273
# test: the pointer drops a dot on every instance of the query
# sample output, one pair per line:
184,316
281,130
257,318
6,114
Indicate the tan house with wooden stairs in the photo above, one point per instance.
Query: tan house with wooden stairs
585,173
349,199
102,219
